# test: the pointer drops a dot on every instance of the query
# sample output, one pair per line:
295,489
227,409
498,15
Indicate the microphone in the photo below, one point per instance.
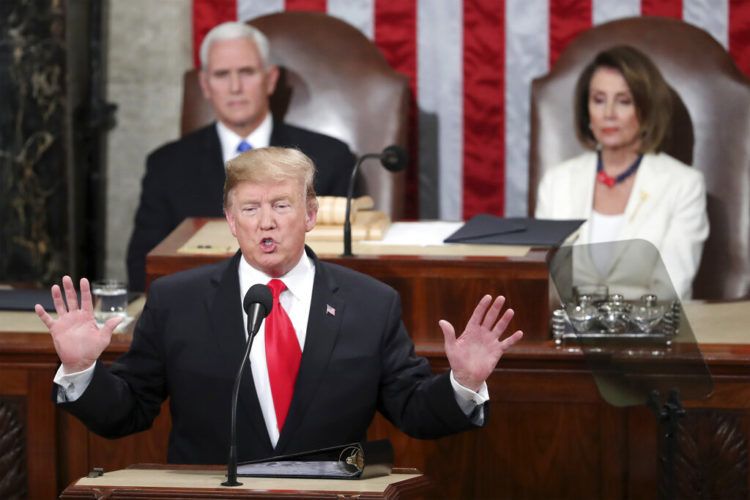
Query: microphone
257,304
394,159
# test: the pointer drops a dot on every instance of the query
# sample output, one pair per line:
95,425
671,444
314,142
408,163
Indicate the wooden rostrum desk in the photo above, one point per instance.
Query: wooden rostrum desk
549,433
149,481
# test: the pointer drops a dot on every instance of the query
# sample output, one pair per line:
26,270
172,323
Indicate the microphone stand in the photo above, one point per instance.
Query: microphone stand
349,196
253,325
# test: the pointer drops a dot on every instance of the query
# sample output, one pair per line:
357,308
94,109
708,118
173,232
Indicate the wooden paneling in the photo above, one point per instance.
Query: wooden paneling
27,418
13,466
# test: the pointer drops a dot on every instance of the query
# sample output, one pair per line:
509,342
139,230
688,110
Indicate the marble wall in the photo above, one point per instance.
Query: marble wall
149,48
33,108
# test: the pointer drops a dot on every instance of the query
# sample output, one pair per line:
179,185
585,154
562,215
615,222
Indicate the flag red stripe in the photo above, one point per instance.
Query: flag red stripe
664,8
309,5
739,34
567,18
206,15
396,36
483,107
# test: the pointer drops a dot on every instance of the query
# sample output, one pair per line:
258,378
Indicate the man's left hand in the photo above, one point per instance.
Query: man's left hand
474,355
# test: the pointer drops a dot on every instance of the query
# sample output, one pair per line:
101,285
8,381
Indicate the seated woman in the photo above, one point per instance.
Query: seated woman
626,188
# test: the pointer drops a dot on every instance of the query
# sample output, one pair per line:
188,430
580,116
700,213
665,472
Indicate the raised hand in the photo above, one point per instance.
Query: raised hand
78,340
474,355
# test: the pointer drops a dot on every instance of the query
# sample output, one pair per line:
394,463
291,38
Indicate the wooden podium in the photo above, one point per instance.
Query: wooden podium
148,482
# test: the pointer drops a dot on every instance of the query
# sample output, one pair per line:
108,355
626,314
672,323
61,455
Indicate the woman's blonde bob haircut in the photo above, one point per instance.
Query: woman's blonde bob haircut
651,95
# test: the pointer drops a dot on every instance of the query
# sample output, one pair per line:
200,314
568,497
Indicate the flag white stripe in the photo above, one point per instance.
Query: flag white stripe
440,104
710,15
248,9
526,57
603,11
358,13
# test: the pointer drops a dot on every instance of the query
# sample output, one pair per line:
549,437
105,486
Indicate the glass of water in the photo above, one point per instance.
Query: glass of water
110,299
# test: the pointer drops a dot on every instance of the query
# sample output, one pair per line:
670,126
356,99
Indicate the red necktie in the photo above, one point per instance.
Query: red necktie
283,354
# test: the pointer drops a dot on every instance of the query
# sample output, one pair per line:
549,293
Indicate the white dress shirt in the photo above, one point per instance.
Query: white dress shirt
296,301
258,138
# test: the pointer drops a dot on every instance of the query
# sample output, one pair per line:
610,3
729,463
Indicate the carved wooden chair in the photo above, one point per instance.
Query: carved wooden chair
334,81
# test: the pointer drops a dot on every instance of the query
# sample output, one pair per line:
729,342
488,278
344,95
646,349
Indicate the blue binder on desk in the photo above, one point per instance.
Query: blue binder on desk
488,229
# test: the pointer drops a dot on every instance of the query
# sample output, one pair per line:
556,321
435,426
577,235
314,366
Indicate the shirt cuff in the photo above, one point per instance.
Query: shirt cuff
470,402
72,385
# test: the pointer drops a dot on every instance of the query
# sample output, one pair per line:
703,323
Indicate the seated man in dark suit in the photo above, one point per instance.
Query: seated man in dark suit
346,352
185,178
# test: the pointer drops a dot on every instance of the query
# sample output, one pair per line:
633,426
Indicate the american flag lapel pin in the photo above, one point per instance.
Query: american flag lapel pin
330,310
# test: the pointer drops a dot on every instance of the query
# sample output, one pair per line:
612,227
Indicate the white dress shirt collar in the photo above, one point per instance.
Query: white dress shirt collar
298,280
258,138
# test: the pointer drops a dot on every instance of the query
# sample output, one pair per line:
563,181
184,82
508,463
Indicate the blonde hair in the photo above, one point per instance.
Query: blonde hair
272,164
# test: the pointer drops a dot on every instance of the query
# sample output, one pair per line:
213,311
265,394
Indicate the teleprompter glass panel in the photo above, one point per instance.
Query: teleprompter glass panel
618,304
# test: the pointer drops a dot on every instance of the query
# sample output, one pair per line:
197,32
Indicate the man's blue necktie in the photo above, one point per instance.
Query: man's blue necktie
243,146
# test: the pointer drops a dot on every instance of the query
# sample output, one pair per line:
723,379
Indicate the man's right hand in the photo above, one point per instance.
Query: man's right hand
78,340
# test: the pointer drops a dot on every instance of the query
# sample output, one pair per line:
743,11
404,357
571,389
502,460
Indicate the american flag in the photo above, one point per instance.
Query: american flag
470,64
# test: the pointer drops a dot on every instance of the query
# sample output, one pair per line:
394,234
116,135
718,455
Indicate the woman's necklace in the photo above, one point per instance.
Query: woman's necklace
610,181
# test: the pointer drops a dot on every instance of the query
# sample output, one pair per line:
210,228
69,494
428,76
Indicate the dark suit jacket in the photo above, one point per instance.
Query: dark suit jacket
185,178
189,343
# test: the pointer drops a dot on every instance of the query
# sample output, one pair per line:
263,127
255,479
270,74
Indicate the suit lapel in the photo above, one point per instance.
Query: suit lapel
225,311
643,187
278,135
323,326
634,210
582,194
212,160
582,198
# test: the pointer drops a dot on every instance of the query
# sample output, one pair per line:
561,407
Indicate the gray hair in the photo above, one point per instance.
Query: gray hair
233,31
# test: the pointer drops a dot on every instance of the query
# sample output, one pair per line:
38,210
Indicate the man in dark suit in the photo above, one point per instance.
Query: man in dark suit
185,178
349,353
